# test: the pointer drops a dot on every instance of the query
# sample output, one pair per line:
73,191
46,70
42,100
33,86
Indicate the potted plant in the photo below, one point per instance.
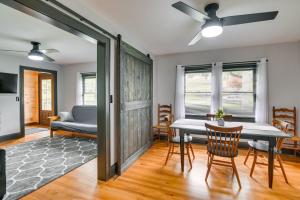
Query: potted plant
220,117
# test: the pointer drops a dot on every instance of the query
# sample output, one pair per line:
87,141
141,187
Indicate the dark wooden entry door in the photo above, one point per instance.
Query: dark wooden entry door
135,104
46,97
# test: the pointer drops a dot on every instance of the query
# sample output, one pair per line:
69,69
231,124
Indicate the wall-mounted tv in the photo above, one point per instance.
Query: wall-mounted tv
8,83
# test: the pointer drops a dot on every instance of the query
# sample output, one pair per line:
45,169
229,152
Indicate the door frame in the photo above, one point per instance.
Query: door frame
42,76
50,14
21,92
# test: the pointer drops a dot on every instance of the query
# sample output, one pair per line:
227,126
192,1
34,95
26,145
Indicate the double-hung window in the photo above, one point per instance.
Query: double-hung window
89,89
237,92
197,91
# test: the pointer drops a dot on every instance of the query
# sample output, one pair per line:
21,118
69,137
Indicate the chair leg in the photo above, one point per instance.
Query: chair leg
208,158
173,146
169,152
188,154
282,169
51,133
209,166
254,162
158,134
236,172
192,150
249,151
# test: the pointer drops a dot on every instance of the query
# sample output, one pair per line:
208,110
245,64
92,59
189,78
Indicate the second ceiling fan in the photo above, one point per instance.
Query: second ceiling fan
213,25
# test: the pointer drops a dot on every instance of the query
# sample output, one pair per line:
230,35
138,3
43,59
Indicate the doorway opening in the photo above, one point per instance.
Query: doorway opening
38,98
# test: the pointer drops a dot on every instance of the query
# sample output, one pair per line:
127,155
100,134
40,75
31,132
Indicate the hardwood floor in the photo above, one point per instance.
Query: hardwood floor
148,178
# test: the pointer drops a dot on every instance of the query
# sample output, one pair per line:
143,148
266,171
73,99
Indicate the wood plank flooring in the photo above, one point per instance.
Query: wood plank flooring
148,178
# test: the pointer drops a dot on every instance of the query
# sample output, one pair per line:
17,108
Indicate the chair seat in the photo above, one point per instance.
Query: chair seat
225,151
187,138
295,139
261,146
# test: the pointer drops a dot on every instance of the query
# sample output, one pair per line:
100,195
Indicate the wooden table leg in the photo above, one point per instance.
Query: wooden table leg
181,135
272,143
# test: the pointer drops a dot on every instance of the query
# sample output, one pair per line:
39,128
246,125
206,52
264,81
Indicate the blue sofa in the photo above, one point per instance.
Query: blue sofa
82,119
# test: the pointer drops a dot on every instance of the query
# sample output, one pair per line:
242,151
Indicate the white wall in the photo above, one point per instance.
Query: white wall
9,107
283,71
71,79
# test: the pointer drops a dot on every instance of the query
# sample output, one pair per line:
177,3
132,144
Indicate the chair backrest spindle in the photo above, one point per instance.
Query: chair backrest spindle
223,139
164,112
287,115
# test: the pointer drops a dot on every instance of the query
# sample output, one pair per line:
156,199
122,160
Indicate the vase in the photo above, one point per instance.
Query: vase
220,122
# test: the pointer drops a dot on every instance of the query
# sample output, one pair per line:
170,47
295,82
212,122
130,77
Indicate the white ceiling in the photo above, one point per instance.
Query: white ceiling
151,25
163,30
18,29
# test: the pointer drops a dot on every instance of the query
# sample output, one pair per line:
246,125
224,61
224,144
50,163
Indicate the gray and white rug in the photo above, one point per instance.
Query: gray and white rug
33,164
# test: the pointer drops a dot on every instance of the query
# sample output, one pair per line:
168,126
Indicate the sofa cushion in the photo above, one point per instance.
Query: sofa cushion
66,117
74,127
85,114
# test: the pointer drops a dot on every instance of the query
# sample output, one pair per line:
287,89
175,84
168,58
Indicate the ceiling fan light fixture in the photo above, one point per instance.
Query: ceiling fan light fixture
212,29
36,56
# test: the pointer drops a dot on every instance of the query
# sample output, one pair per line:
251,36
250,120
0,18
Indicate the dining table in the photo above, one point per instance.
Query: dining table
252,131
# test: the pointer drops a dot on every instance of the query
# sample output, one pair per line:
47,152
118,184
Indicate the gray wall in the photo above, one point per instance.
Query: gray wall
9,107
70,82
283,71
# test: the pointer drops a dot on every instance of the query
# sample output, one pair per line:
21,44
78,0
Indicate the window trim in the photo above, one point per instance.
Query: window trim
84,76
226,67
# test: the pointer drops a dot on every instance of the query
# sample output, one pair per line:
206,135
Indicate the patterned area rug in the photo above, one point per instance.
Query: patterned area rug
33,164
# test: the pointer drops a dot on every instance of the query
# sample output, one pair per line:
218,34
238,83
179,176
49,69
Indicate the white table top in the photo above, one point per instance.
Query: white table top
249,129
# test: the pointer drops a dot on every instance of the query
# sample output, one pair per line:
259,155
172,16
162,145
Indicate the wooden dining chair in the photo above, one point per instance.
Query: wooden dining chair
213,117
222,142
164,118
175,142
259,146
288,115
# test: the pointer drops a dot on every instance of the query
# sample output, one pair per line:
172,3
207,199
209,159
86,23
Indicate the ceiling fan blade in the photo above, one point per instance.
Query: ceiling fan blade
47,58
44,51
8,50
196,14
249,18
196,39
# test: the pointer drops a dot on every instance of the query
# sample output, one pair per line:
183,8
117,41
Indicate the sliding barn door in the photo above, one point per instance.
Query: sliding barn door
135,104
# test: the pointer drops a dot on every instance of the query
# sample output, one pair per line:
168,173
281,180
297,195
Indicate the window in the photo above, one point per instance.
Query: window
197,92
89,89
46,94
238,92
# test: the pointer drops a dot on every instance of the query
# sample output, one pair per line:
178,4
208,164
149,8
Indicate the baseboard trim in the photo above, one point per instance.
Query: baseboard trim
10,136
135,156
113,170
31,123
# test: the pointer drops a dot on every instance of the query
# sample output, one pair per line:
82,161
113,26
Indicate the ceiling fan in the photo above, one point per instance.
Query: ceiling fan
36,53
213,25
